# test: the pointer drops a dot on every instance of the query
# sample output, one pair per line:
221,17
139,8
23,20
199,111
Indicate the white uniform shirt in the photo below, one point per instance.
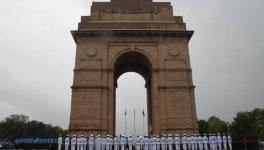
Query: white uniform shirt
67,140
73,141
60,140
229,139
225,142
184,140
91,141
130,143
98,143
154,142
108,142
146,143
116,143
177,140
138,143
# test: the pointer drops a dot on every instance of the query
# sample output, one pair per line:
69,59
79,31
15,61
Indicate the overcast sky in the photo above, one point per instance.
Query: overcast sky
38,52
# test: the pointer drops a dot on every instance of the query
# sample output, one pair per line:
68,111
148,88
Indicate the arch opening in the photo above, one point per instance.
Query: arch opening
138,63
131,105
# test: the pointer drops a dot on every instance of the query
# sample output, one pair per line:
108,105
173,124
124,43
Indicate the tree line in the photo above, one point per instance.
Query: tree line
245,124
248,124
19,126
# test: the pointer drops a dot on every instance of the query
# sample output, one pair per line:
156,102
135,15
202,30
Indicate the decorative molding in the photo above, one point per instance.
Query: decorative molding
123,34
91,52
174,52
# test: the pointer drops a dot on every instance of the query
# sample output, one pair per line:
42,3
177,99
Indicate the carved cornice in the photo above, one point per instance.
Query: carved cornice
150,34
111,70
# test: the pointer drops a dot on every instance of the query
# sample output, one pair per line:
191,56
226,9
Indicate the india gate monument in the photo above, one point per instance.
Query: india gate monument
132,36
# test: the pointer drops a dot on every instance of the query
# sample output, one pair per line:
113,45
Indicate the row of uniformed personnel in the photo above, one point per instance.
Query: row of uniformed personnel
36,143
154,142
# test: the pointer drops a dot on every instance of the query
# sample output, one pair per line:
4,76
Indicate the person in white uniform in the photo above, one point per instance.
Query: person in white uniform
79,142
215,141
123,142
153,142
98,142
229,140
116,143
200,142
177,142
189,141
145,142
103,142
85,142
211,142
224,141
184,142
158,142
67,142
91,142
219,141
163,141
141,139
59,142
108,142
138,143
205,142
170,141
73,142
195,142
130,142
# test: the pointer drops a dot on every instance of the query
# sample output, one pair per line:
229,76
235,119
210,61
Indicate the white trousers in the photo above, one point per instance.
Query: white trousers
116,147
73,147
205,146
225,146
220,146
184,146
130,146
91,146
177,146
59,146
138,147
122,147
163,146
230,145
158,146
145,147
154,147
200,146
98,147
66,146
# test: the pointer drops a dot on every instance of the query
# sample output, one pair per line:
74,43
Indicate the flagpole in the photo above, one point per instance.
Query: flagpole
125,123
143,129
134,122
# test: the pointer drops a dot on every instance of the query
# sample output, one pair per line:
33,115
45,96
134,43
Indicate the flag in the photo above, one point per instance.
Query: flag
143,113
125,112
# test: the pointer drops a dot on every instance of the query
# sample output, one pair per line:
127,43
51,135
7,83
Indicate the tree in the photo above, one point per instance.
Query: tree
216,125
13,126
18,126
249,124
203,126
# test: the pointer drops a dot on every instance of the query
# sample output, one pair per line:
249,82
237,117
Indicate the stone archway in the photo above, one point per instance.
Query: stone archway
134,61
133,35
